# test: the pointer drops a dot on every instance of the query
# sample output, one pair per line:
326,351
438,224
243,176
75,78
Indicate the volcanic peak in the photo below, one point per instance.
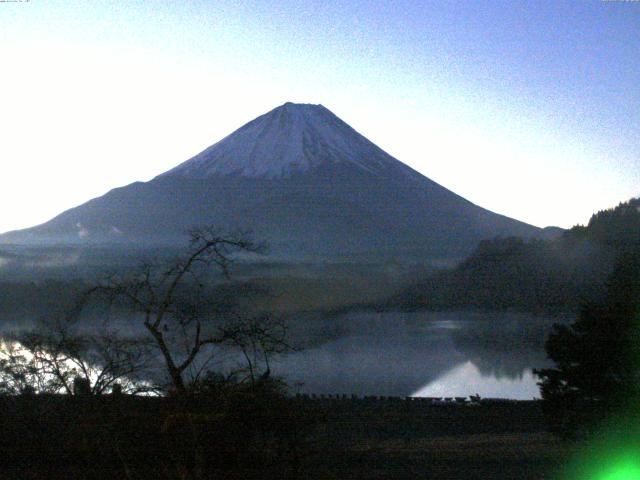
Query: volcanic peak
292,138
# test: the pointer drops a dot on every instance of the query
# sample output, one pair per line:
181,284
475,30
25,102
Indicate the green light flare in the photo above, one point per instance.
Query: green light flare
627,469
613,453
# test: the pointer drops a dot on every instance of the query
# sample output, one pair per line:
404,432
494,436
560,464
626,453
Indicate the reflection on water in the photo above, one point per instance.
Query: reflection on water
423,354
420,354
466,379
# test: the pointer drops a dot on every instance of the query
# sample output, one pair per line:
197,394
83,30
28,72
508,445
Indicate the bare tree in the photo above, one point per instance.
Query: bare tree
177,307
18,373
55,357
257,338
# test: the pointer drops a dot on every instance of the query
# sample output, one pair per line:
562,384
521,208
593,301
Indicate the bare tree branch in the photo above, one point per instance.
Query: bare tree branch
176,306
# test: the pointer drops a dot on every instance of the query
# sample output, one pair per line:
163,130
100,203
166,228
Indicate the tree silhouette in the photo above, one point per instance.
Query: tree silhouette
56,356
597,358
178,309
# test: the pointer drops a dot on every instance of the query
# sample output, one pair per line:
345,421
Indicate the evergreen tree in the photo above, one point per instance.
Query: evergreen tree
597,358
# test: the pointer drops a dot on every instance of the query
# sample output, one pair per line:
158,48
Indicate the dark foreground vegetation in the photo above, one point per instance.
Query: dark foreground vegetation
259,433
596,375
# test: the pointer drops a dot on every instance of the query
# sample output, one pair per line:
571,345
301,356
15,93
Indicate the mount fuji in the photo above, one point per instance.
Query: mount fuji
299,178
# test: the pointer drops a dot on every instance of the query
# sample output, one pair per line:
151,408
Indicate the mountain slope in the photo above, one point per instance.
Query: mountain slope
299,178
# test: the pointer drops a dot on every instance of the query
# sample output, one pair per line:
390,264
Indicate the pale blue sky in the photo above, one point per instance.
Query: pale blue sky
530,109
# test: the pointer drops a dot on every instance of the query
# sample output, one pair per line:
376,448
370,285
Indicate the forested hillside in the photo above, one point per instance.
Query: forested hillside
553,276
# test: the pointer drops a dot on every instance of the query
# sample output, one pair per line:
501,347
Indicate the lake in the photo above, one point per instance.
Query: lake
419,354
446,354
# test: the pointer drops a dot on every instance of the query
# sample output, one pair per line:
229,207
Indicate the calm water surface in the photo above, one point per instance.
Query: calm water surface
421,354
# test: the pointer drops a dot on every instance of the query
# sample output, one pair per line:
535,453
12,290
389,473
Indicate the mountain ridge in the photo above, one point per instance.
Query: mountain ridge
302,180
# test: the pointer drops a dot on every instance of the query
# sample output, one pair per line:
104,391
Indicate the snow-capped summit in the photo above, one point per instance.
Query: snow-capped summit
292,138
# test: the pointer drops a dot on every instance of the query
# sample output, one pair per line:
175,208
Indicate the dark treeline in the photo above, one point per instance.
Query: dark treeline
618,227
556,275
